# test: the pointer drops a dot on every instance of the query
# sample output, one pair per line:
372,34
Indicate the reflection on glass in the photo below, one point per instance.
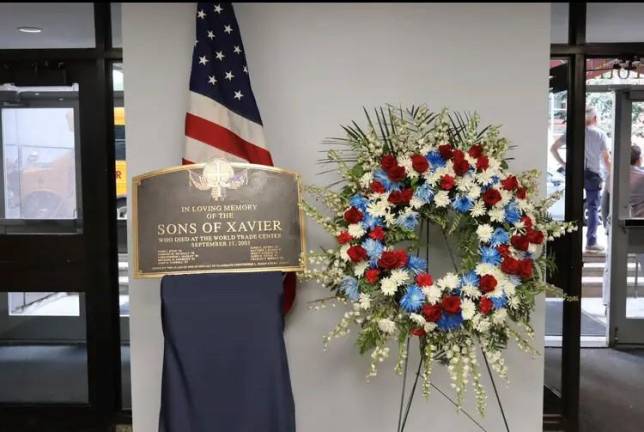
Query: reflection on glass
557,112
43,348
39,163
44,304
635,286
636,175
614,22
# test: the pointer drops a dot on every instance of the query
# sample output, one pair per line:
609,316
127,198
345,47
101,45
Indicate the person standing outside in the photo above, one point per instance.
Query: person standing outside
596,154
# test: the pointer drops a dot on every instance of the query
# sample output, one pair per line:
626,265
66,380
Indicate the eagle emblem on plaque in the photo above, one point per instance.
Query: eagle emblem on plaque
217,176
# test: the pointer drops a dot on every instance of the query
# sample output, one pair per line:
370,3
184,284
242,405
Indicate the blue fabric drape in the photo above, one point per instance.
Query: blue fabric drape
225,367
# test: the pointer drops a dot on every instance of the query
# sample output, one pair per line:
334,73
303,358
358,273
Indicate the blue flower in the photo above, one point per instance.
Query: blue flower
349,287
462,204
370,221
416,264
381,176
512,213
413,299
408,220
435,159
450,321
470,278
424,193
490,255
499,302
373,247
359,201
499,237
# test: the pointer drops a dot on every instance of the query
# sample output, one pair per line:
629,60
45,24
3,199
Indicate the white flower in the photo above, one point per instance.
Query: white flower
405,162
433,294
484,232
390,218
378,207
536,250
364,301
386,325
365,180
506,196
399,276
358,269
474,192
343,252
478,209
449,281
499,316
442,199
483,325
429,327
468,309
497,214
416,203
388,286
471,291
417,318
356,230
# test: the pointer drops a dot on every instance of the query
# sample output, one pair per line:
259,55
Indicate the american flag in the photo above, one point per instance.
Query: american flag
222,119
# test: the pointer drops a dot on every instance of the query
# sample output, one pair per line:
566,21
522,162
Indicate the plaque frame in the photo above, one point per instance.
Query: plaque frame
136,182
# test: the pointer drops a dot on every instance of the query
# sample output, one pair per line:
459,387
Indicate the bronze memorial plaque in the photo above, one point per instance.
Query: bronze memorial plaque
217,217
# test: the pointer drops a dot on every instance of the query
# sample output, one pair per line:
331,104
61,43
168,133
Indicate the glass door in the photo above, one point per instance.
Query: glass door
59,346
626,316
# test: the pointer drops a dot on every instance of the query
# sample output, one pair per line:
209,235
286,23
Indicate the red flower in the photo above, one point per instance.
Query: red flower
510,183
527,222
535,236
389,260
344,237
458,155
372,275
400,197
447,182
377,187
491,197
353,215
417,331
521,193
397,174
419,163
475,151
525,268
446,151
487,283
402,256
432,313
461,166
378,233
482,163
451,304
485,305
510,265
520,242
503,249
388,162
424,279
357,253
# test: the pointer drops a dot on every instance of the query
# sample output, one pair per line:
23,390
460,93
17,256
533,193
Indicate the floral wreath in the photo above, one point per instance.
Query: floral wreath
403,172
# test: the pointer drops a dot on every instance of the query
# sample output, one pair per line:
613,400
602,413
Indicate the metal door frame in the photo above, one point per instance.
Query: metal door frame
625,232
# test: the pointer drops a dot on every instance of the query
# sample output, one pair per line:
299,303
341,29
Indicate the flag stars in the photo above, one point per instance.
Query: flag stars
211,34
212,80
229,76
201,14
203,60
228,29
220,55
245,69
238,95
218,8
237,49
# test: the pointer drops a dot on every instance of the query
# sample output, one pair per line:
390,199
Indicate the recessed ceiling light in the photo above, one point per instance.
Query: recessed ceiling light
28,29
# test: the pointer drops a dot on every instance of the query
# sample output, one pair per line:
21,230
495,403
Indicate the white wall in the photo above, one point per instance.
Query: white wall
313,67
